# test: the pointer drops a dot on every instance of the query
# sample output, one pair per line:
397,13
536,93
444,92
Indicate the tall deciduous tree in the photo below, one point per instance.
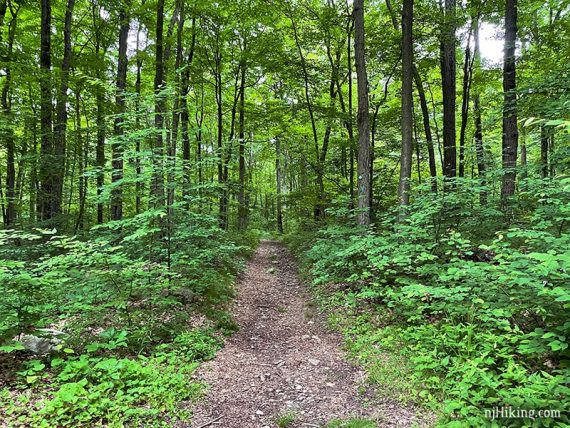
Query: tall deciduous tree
46,207
510,128
363,182
478,137
407,103
121,85
157,188
448,85
8,131
60,126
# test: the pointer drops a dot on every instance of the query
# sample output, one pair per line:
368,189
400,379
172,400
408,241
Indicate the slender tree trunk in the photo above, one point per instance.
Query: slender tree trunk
100,152
138,169
363,119
448,75
34,186
479,149
83,146
407,103
466,87
46,109
278,178
552,169
424,107
176,113
427,129
543,152
60,126
510,128
242,208
220,138
121,85
199,134
184,116
8,132
157,188
350,127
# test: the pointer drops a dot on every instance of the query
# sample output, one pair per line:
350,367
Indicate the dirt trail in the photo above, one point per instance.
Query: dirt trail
283,359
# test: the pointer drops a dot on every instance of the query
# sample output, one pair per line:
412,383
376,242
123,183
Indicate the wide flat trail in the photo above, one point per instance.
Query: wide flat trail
284,360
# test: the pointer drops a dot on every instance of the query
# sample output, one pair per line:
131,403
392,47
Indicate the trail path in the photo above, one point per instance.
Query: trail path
284,359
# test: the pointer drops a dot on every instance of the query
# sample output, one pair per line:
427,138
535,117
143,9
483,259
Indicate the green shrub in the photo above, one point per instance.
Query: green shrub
481,316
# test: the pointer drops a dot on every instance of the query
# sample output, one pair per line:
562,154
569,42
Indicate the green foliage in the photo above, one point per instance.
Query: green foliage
285,420
481,325
352,423
126,300
94,389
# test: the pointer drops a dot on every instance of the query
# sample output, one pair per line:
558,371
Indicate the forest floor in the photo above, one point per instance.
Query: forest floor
284,367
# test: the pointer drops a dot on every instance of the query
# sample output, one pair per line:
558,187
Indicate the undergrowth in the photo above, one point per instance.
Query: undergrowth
120,321
446,311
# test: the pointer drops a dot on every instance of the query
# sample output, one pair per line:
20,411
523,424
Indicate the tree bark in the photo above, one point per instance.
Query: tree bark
46,110
220,137
424,108
121,85
466,87
448,84
363,182
407,119
60,126
184,116
510,128
157,188
10,213
242,207
138,168
427,129
544,152
479,149
278,179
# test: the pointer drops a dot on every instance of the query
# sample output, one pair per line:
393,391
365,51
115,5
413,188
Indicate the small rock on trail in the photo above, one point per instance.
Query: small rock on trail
283,360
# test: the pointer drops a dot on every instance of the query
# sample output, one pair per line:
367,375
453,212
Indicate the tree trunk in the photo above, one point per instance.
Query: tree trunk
184,117
510,129
407,102
242,208
138,169
448,74
363,182
46,109
83,148
552,168
117,155
479,149
423,105
8,132
60,126
157,188
427,129
543,152
466,87
350,121
220,139
278,178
